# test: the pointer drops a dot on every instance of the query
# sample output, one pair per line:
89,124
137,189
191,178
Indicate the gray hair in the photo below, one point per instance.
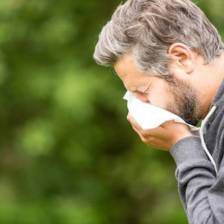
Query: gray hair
147,28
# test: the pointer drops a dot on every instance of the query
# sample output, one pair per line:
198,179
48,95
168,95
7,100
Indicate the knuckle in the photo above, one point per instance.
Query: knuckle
144,134
144,140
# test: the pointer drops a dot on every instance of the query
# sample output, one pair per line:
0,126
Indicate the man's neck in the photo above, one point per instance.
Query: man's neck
214,77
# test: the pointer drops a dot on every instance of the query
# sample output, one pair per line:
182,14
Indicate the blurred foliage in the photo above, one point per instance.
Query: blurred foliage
68,155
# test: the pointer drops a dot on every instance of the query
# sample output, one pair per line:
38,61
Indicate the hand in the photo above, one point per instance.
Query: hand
162,137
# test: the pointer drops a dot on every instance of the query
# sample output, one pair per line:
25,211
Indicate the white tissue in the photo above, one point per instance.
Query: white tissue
149,116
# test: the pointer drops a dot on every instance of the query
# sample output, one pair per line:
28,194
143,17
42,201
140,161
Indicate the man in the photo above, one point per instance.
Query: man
168,54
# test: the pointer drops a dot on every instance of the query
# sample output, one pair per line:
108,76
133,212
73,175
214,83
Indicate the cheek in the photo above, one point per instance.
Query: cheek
161,94
160,98
159,103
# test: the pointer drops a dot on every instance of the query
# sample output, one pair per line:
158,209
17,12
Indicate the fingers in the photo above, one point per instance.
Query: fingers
144,135
148,140
134,123
143,138
162,137
154,132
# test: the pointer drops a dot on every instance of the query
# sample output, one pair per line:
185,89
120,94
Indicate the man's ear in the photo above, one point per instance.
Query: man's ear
181,56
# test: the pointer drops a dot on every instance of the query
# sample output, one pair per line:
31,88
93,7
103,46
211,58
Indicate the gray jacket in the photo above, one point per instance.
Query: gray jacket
200,167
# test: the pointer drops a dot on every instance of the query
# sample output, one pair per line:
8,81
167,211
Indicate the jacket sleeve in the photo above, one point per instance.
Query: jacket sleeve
200,189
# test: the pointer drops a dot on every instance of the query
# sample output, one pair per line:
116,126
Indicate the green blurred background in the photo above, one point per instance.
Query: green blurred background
67,152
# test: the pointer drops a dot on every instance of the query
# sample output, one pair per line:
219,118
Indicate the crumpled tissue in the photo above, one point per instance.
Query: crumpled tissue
149,116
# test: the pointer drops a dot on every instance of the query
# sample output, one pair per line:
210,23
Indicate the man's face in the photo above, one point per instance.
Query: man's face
177,96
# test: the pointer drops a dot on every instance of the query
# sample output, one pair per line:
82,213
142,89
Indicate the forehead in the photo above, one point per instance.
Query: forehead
130,73
126,65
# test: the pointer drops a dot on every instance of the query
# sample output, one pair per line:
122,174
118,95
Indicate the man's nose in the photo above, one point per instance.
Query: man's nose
143,97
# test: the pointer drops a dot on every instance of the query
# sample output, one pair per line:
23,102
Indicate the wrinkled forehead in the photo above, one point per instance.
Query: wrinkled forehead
127,69
130,73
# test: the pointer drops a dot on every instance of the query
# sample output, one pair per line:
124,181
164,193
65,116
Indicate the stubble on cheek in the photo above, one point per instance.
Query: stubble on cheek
184,102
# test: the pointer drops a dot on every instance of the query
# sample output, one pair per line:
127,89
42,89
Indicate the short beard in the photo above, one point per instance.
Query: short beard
185,99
